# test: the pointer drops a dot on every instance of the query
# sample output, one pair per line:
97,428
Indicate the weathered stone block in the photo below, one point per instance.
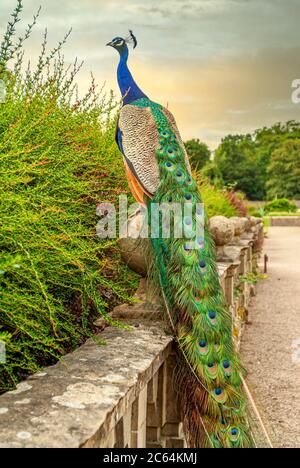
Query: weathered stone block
221,229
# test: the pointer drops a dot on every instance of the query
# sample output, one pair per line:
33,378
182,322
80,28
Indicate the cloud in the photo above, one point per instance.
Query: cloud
223,65
228,95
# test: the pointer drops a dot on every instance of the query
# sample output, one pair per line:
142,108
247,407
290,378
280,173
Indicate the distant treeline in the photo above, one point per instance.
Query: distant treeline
264,164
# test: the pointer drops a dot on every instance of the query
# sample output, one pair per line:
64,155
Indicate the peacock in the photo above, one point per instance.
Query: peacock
210,378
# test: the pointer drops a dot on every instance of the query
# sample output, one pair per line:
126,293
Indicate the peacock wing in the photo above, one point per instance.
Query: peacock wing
138,139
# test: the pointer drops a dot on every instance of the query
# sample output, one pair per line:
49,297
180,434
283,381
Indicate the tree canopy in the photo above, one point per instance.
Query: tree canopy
199,153
263,164
284,171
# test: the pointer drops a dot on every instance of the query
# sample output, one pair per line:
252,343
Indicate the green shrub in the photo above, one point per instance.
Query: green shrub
280,204
216,200
255,213
58,159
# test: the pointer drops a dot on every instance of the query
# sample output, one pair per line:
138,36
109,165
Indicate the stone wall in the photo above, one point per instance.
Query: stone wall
284,221
121,394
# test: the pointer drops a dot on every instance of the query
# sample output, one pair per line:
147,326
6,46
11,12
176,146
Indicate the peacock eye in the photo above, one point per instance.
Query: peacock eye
202,264
202,343
226,364
118,43
218,391
188,221
165,133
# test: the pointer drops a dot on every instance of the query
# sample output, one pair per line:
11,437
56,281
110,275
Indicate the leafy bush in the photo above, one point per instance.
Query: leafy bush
237,199
215,200
280,204
57,160
255,213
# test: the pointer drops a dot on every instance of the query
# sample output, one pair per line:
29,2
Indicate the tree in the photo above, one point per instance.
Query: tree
213,173
268,139
284,171
236,160
199,153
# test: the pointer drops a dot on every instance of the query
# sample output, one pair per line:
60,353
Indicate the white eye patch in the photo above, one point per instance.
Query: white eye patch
118,43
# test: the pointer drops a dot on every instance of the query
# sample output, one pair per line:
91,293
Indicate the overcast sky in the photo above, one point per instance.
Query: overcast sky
223,66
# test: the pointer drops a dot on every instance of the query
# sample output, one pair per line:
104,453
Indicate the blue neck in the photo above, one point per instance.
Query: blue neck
126,83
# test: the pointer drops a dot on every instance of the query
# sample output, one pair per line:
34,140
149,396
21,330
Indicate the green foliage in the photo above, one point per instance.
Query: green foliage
199,153
247,162
255,213
267,140
235,158
237,200
251,278
58,159
281,213
284,170
216,200
280,204
213,173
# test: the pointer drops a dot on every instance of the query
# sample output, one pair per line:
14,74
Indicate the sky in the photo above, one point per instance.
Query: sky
221,66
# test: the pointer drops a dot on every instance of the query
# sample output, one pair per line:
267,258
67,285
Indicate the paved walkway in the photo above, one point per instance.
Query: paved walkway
271,342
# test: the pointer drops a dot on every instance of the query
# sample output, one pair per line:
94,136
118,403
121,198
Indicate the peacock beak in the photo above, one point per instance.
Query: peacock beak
109,44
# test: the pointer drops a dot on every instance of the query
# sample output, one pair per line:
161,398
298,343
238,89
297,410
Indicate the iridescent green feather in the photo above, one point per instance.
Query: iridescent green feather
190,283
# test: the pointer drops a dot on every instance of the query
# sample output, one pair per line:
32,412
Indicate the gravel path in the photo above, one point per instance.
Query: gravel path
271,342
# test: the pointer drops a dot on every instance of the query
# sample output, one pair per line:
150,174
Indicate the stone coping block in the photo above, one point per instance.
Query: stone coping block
284,221
68,404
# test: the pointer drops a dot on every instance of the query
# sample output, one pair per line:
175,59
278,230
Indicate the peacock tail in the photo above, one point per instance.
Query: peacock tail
210,376
186,268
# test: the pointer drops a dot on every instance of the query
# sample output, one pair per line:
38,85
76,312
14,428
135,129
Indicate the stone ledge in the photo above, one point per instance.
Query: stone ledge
87,393
284,221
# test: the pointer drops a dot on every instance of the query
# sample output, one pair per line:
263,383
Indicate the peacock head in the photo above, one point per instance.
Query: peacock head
120,44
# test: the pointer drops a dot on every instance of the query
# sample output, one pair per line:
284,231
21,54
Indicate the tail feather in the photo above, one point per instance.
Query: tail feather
211,374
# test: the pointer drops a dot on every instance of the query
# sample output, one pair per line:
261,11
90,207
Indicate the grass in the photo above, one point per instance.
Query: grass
281,213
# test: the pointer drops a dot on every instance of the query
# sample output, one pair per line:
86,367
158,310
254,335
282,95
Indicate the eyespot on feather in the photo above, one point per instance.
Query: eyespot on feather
203,347
219,395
